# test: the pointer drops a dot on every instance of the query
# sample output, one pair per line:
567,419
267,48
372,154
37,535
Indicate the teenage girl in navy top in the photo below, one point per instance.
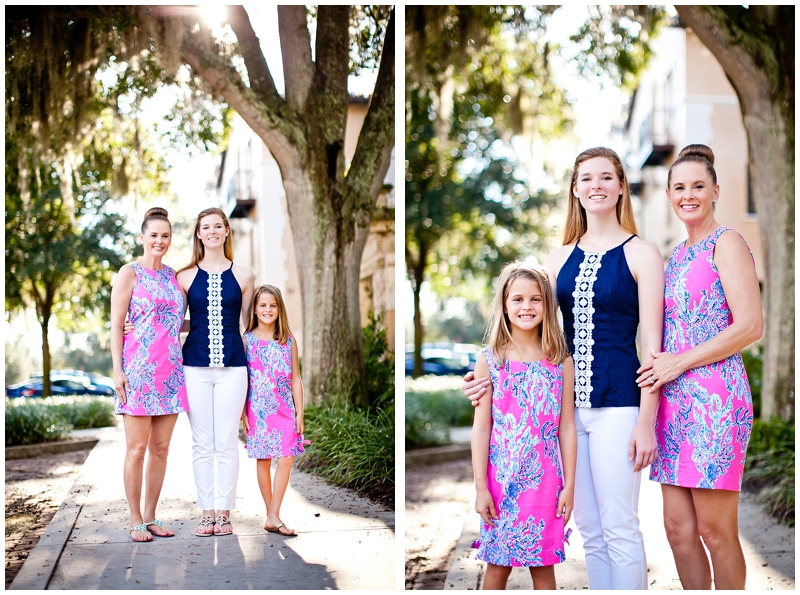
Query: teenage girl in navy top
608,283
219,294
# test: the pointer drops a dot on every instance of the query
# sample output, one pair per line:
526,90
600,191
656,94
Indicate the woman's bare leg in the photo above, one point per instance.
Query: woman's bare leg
680,523
137,432
718,523
157,450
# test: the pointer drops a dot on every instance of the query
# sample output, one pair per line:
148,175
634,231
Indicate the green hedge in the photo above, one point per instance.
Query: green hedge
769,467
434,404
31,421
352,447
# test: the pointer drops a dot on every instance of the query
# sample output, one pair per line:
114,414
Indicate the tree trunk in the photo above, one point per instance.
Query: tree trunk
329,262
330,206
418,276
761,70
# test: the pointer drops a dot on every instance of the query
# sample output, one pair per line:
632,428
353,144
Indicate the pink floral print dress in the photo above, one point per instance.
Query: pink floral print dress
151,354
524,469
270,406
705,416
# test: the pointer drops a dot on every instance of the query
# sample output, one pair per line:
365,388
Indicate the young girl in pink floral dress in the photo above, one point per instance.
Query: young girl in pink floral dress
273,416
524,432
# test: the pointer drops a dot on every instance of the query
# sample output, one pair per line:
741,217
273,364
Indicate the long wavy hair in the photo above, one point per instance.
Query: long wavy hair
199,251
282,330
576,215
498,328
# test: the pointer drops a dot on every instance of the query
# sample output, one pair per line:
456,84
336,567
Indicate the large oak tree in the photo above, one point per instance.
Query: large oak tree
755,47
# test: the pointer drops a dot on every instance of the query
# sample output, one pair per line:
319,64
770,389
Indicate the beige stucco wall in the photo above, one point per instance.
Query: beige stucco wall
704,109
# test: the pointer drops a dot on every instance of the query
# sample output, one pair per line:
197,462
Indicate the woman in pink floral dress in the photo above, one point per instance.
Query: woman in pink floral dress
148,369
273,416
712,310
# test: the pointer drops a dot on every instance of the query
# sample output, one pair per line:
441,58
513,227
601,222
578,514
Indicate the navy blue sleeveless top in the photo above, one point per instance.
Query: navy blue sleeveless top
215,305
599,302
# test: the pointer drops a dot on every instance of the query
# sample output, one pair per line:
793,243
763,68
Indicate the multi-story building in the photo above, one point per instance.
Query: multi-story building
250,190
685,98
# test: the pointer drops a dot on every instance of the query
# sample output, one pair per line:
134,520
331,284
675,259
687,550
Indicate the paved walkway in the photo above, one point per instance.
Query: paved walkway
768,549
344,542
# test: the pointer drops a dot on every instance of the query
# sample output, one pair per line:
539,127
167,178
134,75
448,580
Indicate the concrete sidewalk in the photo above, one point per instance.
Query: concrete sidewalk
344,541
768,550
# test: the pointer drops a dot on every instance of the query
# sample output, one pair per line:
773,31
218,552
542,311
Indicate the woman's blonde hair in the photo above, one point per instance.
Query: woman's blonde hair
282,330
199,251
576,214
498,328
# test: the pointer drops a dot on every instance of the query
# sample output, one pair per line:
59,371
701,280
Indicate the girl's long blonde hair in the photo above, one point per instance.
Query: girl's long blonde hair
576,214
199,251
282,330
498,328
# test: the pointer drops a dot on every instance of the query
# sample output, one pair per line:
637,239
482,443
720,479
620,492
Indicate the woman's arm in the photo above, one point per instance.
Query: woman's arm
648,268
740,284
297,388
481,436
247,283
120,300
567,440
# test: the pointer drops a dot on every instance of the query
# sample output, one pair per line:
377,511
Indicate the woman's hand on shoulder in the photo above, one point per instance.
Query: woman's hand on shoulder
475,389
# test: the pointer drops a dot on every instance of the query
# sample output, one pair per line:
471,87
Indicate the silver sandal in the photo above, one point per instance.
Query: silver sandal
222,519
207,522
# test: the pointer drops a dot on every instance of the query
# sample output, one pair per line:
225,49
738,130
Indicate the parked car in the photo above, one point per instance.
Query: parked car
60,385
444,358
93,378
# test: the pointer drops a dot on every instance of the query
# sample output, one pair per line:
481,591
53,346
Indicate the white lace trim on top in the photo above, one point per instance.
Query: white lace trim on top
583,313
215,355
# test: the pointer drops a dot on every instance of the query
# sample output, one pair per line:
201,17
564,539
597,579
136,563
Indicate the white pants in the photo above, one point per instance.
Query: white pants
216,399
607,499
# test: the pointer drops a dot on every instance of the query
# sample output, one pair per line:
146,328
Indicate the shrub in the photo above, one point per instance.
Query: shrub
352,446
769,467
434,404
85,412
31,421
378,359
753,364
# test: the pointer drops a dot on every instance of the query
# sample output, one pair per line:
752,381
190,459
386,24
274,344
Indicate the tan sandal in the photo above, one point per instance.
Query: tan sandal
207,522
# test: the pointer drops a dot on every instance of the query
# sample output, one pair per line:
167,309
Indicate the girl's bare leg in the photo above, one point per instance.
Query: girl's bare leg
264,482
544,577
278,491
496,577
